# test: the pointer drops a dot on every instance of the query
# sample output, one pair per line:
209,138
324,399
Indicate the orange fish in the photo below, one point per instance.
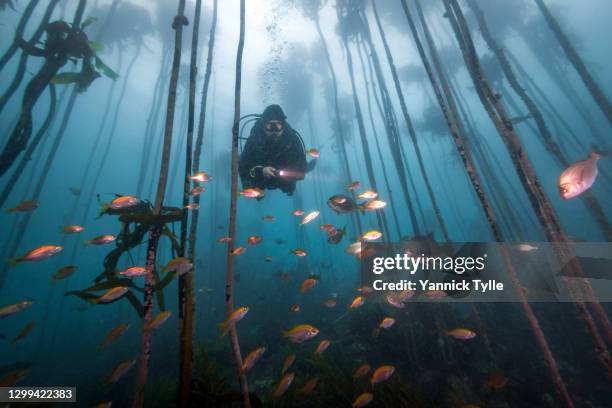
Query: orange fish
365,290
238,250
287,363
192,206
121,202
329,303
134,271
283,385
368,195
201,177
38,254
354,185
361,371
13,377
357,302
112,294
295,308
113,335
24,332
363,400
496,381
254,239
327,227
313,152
197,190
233,318
268,218
375,205
224,240
309,386
252,193
382,373
64,272
372,235
323,345
301,333
250,360
355,248
308,284
158,320
578,177
23,206
461,334
72,229
298,213
394,300
386,323
405,295
120,370
101,240
298,252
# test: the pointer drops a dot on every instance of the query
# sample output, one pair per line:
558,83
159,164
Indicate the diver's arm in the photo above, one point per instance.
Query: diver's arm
248,166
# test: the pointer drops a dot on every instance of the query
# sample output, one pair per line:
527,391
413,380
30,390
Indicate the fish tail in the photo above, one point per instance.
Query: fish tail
361,208
12,261
9,210
224,327
597,153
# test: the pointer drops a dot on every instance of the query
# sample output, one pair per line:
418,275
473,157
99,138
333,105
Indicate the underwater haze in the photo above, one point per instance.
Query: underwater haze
138,266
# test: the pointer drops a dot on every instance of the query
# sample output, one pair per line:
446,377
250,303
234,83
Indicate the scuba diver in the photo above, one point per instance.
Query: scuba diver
274,155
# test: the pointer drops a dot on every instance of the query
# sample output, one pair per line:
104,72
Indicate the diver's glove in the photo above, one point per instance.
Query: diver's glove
268,172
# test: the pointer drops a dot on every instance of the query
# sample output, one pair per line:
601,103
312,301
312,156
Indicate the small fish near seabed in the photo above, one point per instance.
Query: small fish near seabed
461,334
283,385
233,318
252,358
287,363
363,400
120,371
579,177
382,373
178,265
301,333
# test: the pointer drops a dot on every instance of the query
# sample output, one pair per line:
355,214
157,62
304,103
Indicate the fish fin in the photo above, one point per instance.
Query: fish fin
224,328
12,261
597,153
361,208
9,210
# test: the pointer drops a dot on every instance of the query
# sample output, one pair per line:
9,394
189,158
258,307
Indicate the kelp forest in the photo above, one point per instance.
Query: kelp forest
191,191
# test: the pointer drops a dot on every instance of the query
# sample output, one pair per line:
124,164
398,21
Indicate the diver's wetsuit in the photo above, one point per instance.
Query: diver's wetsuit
285,153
